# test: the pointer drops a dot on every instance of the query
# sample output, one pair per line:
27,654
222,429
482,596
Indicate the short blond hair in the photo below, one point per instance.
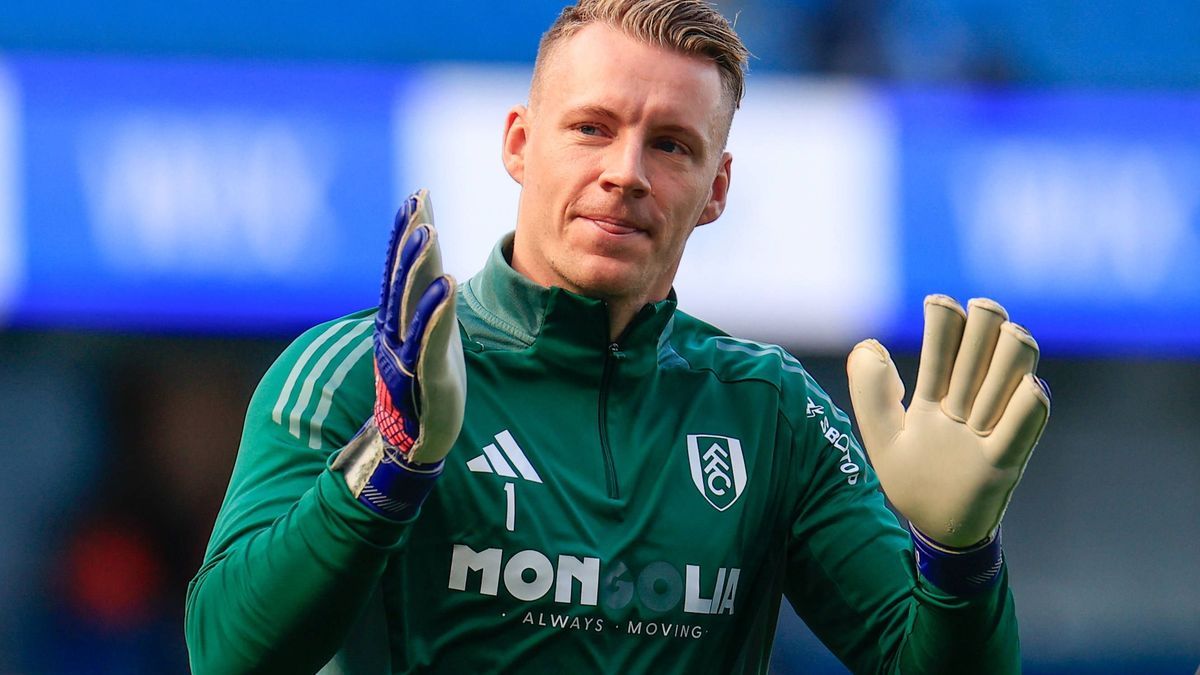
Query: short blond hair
691,27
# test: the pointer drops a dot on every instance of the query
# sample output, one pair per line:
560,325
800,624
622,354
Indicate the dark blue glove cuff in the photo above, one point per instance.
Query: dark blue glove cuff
396,489
962,572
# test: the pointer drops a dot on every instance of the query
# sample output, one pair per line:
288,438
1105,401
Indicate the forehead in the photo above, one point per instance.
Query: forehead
601,66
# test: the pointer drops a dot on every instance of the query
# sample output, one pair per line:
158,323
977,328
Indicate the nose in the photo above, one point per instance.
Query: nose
625,169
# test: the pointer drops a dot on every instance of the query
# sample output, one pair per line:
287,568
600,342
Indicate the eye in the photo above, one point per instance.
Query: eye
588,129
671,146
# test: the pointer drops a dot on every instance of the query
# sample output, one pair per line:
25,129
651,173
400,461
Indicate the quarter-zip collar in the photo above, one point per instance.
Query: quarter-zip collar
513,312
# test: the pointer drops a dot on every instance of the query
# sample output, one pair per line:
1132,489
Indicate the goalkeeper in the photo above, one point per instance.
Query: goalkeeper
550,468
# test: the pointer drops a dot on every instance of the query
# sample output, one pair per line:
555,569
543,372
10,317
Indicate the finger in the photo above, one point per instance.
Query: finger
876,392
434,297
441,376
426,267
1016,355
399,229
411,250
984,318
1021,425
944,320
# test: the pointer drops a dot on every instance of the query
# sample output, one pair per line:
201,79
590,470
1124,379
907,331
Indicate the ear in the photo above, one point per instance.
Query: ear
720,191
516,134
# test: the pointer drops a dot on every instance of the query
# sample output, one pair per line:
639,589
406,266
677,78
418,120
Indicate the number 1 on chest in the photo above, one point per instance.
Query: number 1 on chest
510,519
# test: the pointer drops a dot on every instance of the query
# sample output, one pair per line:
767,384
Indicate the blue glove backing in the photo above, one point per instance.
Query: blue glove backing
420,381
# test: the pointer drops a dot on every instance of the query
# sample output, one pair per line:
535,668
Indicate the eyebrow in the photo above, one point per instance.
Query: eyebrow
590,110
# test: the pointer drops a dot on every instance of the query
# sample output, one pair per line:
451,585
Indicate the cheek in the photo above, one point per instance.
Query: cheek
556,171
690,198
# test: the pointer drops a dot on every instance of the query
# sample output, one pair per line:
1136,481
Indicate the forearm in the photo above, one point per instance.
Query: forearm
953,634
281,599
853,577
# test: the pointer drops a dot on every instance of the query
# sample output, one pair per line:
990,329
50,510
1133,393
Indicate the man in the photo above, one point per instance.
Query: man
622,488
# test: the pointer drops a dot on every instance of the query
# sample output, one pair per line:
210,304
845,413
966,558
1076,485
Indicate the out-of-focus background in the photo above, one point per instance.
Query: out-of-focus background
185,186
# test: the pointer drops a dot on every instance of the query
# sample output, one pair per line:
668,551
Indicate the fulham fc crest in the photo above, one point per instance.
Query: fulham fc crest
718,469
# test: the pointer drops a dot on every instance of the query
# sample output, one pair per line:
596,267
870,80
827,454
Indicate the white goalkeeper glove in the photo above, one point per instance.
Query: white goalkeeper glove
950,462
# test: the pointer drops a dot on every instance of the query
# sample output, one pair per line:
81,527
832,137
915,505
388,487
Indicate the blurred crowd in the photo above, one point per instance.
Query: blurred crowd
119,451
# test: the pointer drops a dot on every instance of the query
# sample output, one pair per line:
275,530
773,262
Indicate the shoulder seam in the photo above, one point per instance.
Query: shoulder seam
789,363
666,344
744,346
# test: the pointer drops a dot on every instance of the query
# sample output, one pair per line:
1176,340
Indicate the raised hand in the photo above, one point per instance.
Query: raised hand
420,384
950,462
420,380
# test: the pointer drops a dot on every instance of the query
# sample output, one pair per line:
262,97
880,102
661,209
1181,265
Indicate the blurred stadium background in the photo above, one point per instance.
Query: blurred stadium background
185,186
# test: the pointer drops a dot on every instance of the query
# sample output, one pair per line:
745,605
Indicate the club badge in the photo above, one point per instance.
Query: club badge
718,469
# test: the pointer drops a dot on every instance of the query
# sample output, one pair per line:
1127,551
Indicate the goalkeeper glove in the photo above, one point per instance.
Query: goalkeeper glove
420,380
950,462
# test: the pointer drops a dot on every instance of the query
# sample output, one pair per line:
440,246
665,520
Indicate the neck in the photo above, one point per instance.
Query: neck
620,314
621,310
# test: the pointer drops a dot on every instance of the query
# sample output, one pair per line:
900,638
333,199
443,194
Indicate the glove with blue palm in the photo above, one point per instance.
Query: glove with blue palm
420,380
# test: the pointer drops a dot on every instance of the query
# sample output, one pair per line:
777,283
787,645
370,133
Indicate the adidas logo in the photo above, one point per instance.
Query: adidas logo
504,459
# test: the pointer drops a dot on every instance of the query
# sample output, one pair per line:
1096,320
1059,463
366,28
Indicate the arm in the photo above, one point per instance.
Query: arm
303,536
293,557
949,463
851,574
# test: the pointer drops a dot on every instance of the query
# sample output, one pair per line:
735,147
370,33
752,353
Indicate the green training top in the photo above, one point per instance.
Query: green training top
632,507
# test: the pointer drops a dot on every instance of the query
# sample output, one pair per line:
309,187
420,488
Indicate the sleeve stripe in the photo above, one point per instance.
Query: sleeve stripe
319,369
277,413
790,364
833,409
314,436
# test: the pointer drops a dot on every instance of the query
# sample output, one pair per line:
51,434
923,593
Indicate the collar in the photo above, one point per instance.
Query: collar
513,312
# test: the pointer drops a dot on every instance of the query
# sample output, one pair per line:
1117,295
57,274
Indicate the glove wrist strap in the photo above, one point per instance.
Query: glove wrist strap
381,479
962,572
396,489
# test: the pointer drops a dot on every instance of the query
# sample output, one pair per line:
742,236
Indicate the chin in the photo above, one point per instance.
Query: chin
607,278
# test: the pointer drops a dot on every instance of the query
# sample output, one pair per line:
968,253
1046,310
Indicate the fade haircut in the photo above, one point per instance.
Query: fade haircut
691,27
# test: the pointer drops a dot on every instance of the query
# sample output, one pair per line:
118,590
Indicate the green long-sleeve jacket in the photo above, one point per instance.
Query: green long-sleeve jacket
632,507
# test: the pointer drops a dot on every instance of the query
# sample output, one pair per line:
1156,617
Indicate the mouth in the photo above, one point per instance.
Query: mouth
615,226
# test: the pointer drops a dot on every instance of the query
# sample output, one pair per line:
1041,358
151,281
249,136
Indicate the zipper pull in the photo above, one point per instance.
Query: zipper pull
615,349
